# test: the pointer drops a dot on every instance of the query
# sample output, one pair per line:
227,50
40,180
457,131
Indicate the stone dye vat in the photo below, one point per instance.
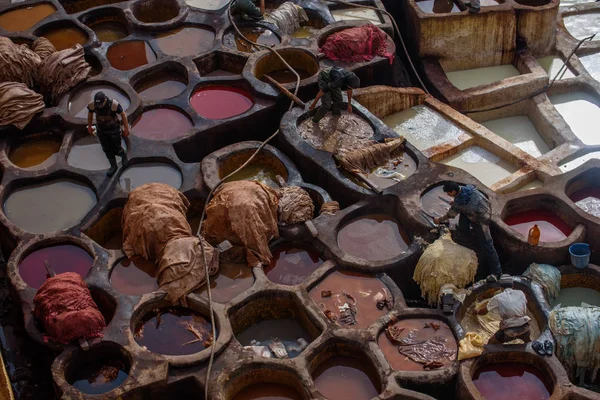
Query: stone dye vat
207,4
581,112
49,206
553,64
263,168
174,331
256,172
352,300
23,18
231,280
86,153
591,62
155,11
588,199
332,132
39,152
256,34
66,37
220,102
274,333
575,296
109,30
338,376
373,237
521,132
482,164
303,62
552,227
107,230
161,86
438,6
130,54
61,258
185,42
471,78
511,380
161,123
140,174
356,14
272,391
81,98
134,277
305,32
582,25
98,370
573,162
292,263
436,203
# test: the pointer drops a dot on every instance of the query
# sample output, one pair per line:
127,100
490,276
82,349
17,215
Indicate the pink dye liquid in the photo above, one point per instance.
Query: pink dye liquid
344,378
508,381
292,263
64,258
161,124
552,228
588,199
134,277
220,102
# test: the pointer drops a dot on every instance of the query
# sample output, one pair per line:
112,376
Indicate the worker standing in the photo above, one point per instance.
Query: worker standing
474,6
475,212
109,128
246,9
331,83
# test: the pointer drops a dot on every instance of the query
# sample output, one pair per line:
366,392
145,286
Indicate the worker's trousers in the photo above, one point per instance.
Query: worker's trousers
475,3
331,100
484,237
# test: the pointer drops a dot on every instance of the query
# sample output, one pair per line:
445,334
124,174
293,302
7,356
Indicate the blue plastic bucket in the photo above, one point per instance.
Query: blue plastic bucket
580,255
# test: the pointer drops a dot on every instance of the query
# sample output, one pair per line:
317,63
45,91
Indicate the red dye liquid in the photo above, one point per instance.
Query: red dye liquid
344,378
64,258
292,263
588,199
134,277
220,102
268,391
507,381
161,124
552,228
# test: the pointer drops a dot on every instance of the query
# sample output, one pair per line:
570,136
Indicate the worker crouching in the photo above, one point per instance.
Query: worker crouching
331,83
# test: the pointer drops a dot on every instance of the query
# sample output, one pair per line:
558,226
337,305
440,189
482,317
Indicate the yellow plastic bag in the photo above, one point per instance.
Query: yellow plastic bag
470,346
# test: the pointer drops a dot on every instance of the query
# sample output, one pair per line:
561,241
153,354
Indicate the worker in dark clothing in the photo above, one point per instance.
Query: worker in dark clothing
331,83
109,128
475,212
248,10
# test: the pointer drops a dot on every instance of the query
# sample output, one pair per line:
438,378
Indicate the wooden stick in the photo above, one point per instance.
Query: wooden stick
49,271
283,90
368,182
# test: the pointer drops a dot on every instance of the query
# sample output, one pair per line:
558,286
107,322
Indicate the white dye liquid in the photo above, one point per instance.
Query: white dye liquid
140,174
573,163
356,13
521,132
592,65
437,6
583,25
207,4
568,3
470,78
581,113
423,127
482,164
553,64
573,297
86,153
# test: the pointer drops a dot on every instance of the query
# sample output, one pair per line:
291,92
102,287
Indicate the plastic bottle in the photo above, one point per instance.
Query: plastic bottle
534,236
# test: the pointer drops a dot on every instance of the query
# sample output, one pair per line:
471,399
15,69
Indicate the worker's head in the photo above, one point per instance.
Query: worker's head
99,99
451,188
353,82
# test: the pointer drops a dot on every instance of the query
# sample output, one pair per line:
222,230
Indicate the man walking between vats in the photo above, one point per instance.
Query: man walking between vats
331,83
475,212
109,128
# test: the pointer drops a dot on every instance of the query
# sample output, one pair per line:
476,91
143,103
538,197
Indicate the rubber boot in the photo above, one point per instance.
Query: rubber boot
124,159
113,166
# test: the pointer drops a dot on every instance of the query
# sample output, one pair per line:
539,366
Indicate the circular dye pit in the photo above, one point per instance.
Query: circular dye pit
292,263
155,11
169,331
161,86
287,331
305,32
268,391
50,206
511,381
331,133
65,38
220,102
24,18
207,4
341,378
373,237
256,172
363,294
435,202
303,62
161,124
256,34
140,174
38,152
588,199
574,296
185,42
99,375
552,227
86,153
428,335
109,30
81,98
130,54
134,277
62,258
230,281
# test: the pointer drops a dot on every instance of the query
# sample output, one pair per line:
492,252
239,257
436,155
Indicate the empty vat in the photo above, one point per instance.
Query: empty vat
140,174
255,34
84,95
86,153
134,277
482,164
161,124
98,370
174,331
35,152
62,258
470,78
340,377
574,162
521,132
373,237
66,37
582,25
552,227
185,41
207,4
423,127
511,381
231,280
288,331
580,111
591,62
161,86
109,30
49,206
23,18
588,199
553,64
292,263
130,54
220,102
351,299
356,14
437,6
270,391
333,132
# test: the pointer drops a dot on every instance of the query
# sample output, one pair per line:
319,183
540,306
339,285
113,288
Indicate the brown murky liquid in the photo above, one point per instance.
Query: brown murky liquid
134,277
65,38
400,362
35,152
185,42
231,280
154,11
364,291
334,132
395,170
292,263
24,18
130,54
268,391
109,31
374,237
256,172
286,76
255,34
344,378
434,206
162,86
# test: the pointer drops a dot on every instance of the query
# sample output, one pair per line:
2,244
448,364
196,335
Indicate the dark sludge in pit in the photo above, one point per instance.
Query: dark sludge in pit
255,34
109,30
268,391
275,338
135,276
338,376
292,263
174,331
99,376
511,380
